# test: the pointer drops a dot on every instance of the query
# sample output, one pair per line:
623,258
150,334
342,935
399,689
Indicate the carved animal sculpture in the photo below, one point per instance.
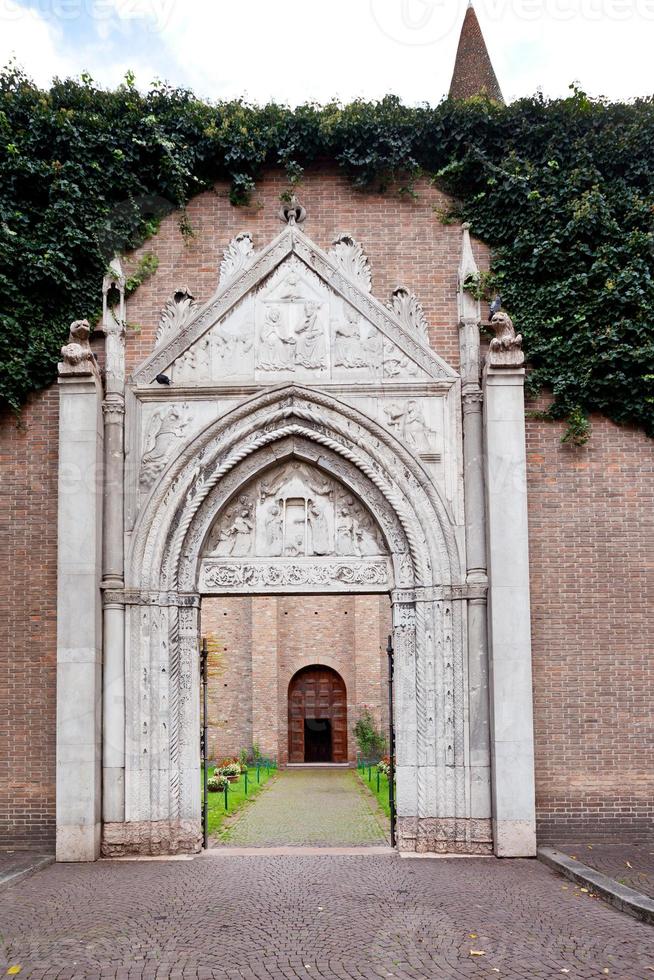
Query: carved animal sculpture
78,350
505,336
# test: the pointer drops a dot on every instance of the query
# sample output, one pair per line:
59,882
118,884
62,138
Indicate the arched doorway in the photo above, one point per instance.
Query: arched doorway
317,716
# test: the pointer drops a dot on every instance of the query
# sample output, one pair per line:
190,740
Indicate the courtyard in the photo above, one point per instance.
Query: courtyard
315,915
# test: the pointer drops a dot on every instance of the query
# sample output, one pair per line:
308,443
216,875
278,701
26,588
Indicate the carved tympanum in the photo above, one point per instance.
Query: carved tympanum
295,512
506,346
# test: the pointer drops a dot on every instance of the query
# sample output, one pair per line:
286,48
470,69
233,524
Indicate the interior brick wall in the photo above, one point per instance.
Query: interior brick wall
280,635
592,539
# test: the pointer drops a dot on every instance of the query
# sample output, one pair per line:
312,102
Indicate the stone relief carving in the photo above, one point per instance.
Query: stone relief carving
194,365
177,311
232,345
234,536
293,324
410,312
236,257
407,421
349,255
356,344
281,574
78,358
397,364
295,512
165,429
506,346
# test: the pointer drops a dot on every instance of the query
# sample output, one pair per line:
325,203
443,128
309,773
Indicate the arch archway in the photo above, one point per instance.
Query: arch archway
317,716
425,577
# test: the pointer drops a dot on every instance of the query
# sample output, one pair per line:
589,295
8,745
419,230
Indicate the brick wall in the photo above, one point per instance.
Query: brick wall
280,635
591,540
28,641
591,523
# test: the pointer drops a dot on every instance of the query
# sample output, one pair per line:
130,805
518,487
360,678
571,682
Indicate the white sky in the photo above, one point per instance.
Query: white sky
297,50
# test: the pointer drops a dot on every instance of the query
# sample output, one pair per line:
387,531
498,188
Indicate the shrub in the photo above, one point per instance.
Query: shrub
371,742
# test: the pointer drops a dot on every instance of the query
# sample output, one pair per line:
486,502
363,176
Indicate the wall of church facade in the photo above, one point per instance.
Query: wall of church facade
591,544
258,643
591,535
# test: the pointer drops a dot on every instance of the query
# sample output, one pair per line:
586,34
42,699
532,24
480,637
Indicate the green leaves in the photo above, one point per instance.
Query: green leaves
562,191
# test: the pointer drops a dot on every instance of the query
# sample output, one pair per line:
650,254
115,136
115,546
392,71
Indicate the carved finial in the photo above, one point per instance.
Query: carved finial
175,314
468,275
349,254
505,349
113,298
236,256
78,358
409,311
292,212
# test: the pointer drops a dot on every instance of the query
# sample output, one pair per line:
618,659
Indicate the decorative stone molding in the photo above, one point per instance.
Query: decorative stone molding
176,313
351,258
136,597
505,349
287,576
237,256
150,838
410,313
78,358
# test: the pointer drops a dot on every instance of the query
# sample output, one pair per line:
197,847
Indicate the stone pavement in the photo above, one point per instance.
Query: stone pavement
15,865
319,916
629,864
318,807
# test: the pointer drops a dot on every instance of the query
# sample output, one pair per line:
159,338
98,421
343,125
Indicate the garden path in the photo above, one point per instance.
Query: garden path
309,807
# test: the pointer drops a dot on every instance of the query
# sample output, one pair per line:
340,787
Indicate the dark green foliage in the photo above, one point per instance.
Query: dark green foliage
562,191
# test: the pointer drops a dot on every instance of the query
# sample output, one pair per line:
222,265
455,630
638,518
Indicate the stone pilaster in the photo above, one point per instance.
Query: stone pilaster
512,741
79,616
113,748
476,561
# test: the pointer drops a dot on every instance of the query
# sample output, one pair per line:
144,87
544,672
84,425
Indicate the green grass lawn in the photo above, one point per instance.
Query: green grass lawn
382,793
236,797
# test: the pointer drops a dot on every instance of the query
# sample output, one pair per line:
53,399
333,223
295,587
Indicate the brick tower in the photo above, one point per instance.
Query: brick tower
473,71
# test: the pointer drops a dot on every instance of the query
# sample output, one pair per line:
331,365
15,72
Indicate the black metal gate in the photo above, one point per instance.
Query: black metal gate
391,741
204,722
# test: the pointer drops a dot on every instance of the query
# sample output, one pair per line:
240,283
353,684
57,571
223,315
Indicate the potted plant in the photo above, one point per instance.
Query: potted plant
231,768
217,782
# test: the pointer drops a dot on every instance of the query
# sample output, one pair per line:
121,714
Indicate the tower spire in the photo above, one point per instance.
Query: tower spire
473,71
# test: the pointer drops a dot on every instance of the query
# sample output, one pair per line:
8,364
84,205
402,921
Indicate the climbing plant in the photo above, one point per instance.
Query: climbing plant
562,191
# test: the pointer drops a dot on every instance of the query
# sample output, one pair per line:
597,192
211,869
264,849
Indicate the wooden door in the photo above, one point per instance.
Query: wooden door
317,700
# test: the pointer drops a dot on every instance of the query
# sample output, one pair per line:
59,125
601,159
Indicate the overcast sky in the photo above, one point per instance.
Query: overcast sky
297,50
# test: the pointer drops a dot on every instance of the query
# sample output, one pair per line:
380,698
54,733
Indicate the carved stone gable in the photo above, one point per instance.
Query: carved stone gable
293,312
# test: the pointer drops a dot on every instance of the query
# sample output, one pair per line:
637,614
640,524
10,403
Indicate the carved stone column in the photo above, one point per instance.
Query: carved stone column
512,741
405,722
113,749
79,616
476,562
162,727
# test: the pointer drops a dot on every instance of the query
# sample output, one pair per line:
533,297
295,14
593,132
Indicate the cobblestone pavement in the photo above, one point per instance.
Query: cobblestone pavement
320,916
630,864
320,807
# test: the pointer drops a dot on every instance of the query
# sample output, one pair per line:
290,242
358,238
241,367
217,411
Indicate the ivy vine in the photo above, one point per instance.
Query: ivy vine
562,191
